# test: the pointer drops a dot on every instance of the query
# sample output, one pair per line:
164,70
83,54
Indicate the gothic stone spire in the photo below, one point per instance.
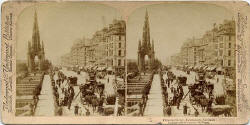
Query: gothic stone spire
139,46
146,32
153,45
36,36
29,47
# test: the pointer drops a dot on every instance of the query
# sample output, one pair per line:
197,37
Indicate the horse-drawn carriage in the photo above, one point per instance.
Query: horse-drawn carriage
199,92
86,93
73,80
182,80
225,110
92,77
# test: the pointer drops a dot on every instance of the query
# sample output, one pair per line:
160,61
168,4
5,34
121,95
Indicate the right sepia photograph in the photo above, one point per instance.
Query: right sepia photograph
181,61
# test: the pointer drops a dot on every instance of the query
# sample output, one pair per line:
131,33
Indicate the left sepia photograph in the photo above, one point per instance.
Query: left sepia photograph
70,60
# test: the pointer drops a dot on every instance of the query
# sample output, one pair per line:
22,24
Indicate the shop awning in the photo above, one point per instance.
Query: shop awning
196,67
101,68
95,67
109,69
205,67
219,69
211,68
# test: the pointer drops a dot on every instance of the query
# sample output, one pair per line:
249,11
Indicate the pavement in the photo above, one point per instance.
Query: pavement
154,105
45,105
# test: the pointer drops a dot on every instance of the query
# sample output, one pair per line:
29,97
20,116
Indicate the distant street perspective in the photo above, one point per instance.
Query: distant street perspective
163,60
82,74
196,80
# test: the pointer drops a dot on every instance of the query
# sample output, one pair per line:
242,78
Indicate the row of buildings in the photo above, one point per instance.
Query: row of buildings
105,49
215,48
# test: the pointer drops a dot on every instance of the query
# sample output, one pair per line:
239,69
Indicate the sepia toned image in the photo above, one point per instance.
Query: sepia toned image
125,62
70,60
181,61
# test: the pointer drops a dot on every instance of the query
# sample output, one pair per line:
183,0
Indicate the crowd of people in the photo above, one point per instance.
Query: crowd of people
200,93
172,91
91,93
62,89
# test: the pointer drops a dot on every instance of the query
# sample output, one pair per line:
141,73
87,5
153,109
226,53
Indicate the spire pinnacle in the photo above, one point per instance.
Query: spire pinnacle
29,47
139,46
146,32
42,46
153,45
36,35
146,15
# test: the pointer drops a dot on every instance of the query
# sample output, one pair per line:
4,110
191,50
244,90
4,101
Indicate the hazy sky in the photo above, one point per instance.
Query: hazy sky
60,24
171,24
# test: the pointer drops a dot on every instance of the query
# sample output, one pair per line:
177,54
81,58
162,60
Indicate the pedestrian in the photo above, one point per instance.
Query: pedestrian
69,103
94,104
169,110
141,107
178,101
185,109
32,111
80,111
76,109
87,112
196,113
59,112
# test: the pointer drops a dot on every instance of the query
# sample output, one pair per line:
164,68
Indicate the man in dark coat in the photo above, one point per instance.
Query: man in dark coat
59,112
185,109
140,109
169,111
76,109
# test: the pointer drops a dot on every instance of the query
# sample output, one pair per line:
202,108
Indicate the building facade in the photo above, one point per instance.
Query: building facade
105,49
116,45
215,48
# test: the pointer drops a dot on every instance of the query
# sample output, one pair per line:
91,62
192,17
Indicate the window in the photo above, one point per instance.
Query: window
221,62
221,52
221,45
229,62
120,45
119,62
229,52
120,38
215,46
229,38
221,38
119,52
229,45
